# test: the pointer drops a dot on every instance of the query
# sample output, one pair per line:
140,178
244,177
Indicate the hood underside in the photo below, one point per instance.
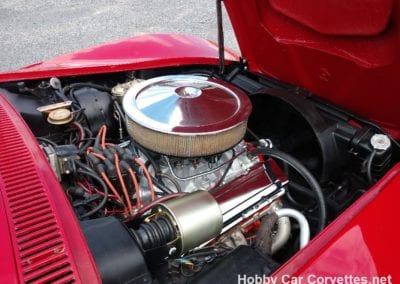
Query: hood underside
343,51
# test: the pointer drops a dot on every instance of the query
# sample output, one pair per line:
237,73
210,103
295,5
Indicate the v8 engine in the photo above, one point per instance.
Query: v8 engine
186,137
175,177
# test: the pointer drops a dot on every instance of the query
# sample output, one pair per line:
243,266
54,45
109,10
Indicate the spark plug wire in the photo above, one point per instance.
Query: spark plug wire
123,185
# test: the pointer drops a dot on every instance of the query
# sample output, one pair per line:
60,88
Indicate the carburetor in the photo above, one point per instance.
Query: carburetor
205,173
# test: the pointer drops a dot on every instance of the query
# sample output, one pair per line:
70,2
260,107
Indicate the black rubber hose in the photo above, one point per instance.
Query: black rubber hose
302,189
299,189
369,167
45,140
85,146
308,177
88,131
119,109
85,167
60,94
90,138
105,191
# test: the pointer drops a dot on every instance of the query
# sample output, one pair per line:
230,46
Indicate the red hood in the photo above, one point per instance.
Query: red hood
344,51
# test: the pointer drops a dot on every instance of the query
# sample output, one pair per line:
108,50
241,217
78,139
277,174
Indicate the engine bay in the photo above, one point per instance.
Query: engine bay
176,173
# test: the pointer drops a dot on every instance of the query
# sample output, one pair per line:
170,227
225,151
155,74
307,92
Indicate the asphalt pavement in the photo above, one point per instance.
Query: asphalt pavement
33,31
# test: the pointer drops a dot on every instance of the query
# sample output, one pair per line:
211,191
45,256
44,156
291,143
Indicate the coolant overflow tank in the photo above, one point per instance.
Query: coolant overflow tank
197,218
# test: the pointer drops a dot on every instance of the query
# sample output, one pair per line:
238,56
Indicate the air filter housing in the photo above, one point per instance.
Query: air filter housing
186,115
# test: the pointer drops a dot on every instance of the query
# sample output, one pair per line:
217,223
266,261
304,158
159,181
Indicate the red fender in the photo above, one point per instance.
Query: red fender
142,52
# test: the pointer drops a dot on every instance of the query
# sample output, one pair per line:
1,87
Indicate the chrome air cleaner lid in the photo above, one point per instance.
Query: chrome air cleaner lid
188,110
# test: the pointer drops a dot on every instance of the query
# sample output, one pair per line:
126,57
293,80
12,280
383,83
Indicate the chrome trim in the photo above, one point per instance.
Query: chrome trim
134,112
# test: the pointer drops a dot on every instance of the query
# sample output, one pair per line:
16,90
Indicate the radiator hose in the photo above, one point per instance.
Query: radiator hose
305,173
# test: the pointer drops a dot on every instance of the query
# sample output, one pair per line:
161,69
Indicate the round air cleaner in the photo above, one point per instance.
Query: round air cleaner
186,115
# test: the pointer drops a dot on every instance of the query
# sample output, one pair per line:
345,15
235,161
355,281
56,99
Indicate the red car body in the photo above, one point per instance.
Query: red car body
345,52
